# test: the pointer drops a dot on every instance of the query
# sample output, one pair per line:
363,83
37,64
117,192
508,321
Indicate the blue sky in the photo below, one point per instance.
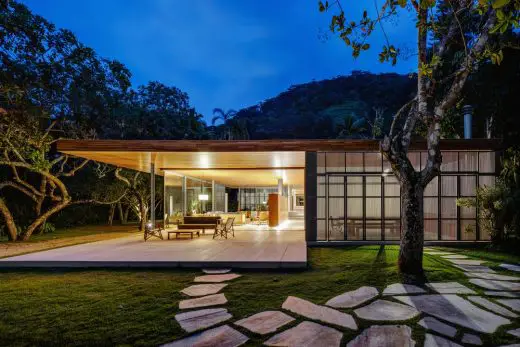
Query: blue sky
223,53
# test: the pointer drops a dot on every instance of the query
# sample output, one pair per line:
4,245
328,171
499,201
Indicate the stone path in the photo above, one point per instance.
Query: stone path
321,313
511,267
437,341
402,289
433,324
265,322
353,298
307,334
384,336
491,306
455,309
210,300
383,310
455,306
450,288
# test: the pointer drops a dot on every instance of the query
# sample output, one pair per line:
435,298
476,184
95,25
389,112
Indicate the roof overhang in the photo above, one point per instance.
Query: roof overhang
234,163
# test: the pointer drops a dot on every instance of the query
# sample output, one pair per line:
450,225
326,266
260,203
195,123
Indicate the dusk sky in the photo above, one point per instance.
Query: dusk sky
228,53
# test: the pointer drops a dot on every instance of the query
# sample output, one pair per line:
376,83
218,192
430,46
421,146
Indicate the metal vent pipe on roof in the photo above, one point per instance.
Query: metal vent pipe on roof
467,111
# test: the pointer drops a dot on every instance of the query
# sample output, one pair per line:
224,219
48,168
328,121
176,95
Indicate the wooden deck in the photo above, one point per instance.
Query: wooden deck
251,248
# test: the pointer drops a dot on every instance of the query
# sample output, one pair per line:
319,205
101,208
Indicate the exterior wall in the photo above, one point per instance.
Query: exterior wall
353,196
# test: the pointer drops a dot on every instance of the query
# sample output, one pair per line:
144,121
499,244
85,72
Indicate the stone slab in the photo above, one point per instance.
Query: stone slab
502,294
491,306
204,301
353,298
265,322
475,268
437,252
216,278
307,334
491,276
201,319
454,256
466,261
437,341
496,285
215,271
321,313
456,310
384,310
450,288
510,267
403,289
471,339
433,324
513,304
514,332
203,289
223,336
384,336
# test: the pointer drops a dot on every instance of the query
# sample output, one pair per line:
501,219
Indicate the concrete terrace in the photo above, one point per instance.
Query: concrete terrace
252,247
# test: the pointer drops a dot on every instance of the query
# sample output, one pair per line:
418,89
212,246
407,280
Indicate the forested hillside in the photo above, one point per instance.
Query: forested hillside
320,109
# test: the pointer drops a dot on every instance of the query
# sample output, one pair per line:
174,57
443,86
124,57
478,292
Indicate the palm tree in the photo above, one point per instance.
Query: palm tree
351,127
233,129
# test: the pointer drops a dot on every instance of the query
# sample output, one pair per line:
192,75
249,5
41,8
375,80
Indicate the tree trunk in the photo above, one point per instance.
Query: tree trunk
122,219
412,238
42,219
9,221
111,213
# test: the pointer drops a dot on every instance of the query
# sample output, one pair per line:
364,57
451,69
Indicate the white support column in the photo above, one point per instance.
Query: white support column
152,193
280,186
213,195
184,196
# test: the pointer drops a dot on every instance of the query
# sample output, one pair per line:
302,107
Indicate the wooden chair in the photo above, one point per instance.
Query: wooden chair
223,230
150,231
336,225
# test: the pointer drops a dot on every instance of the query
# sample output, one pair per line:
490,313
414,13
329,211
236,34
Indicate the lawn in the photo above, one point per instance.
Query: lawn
137,307
65,237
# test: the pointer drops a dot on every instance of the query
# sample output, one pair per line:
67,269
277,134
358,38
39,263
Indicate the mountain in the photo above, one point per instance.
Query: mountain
317,109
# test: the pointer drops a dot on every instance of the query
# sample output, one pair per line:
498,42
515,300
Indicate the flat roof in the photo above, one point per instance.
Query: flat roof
233,163
258,145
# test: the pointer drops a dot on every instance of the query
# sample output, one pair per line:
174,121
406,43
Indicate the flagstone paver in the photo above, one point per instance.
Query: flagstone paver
466,261
215,271
510,267
398,289
513,304
496,285
321,313
475,268
450,288
491,306
384,310
216,278
307,334
471,339
437,341
223,336
265,322
437,253
502,294
200,319
433,324
454,256
210,300
384,336
203,289
491,276
514,332
454,309
353,298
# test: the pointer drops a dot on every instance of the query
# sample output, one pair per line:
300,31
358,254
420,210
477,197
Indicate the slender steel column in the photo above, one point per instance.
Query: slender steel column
152,193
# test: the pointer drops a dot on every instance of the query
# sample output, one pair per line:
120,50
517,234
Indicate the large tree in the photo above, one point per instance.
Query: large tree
472,29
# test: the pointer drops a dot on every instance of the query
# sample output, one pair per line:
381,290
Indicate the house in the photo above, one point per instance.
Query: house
344,189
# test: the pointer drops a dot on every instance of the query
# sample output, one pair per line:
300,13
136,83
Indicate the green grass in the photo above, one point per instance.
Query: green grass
137,307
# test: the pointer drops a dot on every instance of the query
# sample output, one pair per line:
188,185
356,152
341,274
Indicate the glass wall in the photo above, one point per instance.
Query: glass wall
358,197
173,206
254,199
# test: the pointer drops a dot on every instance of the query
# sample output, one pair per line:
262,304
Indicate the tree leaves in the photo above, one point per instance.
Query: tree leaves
500,3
